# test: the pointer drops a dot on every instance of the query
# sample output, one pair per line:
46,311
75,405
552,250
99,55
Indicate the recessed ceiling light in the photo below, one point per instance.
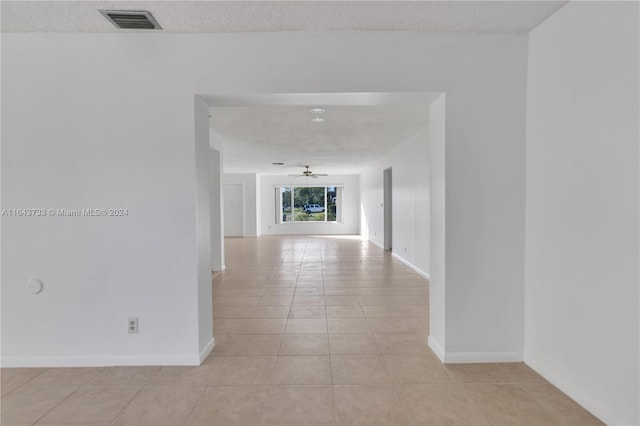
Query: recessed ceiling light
317,110
317,119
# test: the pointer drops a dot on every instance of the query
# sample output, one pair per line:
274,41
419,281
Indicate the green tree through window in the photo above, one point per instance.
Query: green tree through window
286,204
309,203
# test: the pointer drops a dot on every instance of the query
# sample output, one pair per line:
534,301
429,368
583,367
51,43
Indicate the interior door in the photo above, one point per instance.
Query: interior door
234,210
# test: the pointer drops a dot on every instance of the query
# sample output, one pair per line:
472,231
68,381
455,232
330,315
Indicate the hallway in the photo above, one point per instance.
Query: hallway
309,331
333,331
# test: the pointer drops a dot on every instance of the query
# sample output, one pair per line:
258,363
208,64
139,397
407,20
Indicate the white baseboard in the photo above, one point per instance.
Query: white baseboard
481,357
472,357
578,394
99,361
204,353
375,243
410,265
436,348
107,361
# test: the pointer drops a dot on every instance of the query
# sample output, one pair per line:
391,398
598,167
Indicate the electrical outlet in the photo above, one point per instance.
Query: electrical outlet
133,325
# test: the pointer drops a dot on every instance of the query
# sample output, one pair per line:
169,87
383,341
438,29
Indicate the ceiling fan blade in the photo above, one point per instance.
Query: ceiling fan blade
320,174
297,175
314,176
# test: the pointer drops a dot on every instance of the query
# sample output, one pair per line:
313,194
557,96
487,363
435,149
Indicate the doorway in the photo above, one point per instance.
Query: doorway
387,209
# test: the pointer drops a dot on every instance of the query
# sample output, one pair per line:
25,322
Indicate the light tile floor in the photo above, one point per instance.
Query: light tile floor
309,331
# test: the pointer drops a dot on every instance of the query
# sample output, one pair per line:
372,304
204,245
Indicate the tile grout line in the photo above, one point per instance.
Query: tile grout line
470,401
403,402
22,384
57,405
333,388
266,404
196,404
537,400
127,404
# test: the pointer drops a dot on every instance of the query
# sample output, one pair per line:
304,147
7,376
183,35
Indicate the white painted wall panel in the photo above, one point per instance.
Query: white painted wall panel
582,324
119,131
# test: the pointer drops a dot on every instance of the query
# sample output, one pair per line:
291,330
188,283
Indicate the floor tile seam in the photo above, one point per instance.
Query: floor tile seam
57,405
448,373
111,386
473,404
124,407
333,393
490,382
391,377
22,384
281,339
261,385
299,385
265,405
404,404
543,406
186,419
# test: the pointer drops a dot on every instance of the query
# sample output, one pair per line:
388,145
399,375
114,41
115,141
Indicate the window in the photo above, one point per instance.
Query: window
308,204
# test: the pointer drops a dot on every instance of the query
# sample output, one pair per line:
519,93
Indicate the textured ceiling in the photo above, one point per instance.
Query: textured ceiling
350,136
261,16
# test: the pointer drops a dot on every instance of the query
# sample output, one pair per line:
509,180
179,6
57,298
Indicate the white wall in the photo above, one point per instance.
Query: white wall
350,203
437,227
203,222
249,180
217,209
258,206
110,139
119,132
410,195
582,223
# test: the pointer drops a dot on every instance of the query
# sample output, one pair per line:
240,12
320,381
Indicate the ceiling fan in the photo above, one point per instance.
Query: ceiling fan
309,173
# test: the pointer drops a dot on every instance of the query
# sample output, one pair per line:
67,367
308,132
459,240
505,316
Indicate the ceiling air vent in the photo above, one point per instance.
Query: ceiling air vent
131,19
